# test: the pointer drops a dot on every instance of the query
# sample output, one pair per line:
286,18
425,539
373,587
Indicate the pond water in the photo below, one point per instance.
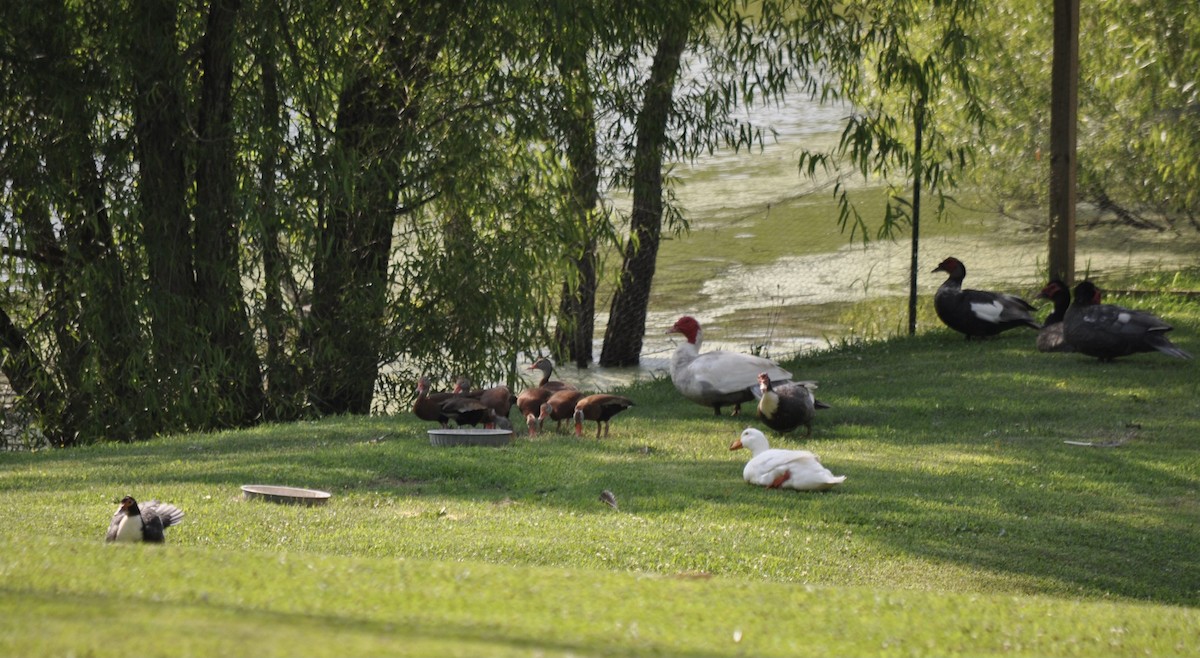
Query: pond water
766,266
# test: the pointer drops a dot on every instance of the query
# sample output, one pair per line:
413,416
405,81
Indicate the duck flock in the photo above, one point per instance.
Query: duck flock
1079,323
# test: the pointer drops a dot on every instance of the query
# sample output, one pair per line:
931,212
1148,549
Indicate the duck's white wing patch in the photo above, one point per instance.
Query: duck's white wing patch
988,312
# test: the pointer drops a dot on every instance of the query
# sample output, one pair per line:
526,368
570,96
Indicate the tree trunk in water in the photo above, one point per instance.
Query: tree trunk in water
627,317
577,311
235,369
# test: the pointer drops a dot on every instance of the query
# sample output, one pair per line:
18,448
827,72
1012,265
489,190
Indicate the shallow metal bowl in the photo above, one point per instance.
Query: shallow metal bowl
285,495
465,436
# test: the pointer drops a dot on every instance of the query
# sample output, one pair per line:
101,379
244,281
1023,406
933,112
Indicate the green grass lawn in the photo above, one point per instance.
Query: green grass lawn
966,526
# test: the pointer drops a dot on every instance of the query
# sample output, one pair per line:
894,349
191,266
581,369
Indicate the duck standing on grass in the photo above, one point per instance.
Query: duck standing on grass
718,378
784,407
787,469
600,407
978,313
132,523
1050,338
1107,331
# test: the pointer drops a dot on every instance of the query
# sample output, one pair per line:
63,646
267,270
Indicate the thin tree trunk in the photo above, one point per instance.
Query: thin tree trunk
627,317
29,378
577,311
280,377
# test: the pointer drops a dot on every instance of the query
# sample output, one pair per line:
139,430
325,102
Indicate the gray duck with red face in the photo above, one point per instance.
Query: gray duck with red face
1107,331
978,313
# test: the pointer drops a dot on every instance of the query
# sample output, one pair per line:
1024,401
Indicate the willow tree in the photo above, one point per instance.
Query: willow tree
1138,98
886,57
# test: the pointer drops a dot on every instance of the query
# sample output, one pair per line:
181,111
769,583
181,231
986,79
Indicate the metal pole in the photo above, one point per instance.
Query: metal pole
918,125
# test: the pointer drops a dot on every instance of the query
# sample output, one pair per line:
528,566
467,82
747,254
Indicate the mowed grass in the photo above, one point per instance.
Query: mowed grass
967,525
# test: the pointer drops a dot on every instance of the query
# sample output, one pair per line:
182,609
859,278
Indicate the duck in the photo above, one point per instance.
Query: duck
428,406
467,411
717,378
547,367
134,523
600,407
529,404
784,407
499,397
978,313
782,469
1107,331
1050,337
559,407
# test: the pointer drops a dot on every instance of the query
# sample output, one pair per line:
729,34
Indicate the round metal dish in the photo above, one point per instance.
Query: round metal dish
465,436
285,495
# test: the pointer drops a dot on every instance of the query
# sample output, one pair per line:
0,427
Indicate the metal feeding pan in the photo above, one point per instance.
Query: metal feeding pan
285,495
466,436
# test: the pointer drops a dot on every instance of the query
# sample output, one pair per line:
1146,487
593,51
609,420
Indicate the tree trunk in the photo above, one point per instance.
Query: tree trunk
95,329
161,145
577,311
376,128
29,379
627,317
234,366
280,376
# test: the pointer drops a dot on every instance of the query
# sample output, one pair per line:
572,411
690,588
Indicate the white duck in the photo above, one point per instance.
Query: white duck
718,378
788,469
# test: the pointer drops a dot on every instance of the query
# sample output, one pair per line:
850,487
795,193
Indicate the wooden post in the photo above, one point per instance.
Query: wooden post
1064,106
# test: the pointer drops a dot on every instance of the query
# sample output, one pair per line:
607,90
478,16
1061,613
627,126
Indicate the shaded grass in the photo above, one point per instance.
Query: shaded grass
966,525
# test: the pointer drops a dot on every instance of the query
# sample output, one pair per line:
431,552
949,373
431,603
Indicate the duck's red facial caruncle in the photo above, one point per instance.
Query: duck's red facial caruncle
686,325
950,266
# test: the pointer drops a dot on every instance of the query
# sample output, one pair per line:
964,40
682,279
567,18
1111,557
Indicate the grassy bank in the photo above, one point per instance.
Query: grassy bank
967,525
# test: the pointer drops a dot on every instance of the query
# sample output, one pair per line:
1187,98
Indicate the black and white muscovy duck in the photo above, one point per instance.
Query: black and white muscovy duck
600,407
1050,338
784,407
978,313
1107,331
718,378
133,523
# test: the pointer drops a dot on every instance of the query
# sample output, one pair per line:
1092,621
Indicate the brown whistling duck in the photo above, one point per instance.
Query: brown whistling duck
428,406
559,407
499,397
529,404
547,367
600,407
